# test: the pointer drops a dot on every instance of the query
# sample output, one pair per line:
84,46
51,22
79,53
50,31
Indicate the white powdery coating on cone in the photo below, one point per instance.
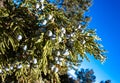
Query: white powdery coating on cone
7,69
68,36
0,70
19,37
59,39
84,42
35,61
79,26
56,69
42,7
63,30
49,33
58,53
28,65
25,48
82,31
70,76
61,59
37,6
88,34
53,67
84,52
53,37
11,67
50,17
19,66
72,34
72,40
44,22
66,52
56,58
41,1
60,63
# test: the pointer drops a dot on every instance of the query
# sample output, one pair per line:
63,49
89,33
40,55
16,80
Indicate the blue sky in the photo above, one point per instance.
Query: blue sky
106,19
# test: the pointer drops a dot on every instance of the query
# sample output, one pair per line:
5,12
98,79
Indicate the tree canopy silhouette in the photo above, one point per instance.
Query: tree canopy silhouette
40,39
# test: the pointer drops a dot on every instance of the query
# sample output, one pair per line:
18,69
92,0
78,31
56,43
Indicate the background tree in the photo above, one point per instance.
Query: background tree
82,76
86,76
107,81
41,40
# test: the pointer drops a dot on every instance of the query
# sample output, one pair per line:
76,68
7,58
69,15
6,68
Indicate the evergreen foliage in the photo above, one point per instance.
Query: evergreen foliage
40,40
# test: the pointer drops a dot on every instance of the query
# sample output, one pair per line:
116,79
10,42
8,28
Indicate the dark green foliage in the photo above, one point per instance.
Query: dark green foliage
86,76
107,81
37,39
